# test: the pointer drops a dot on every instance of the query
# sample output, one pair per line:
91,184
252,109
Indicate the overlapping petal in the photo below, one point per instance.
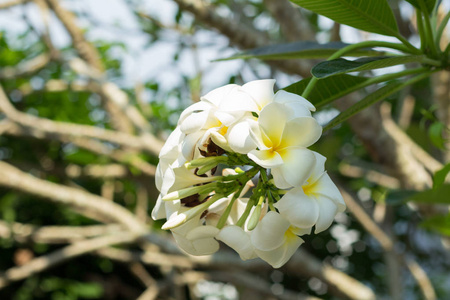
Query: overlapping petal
299,209
269,233
239,240
297,165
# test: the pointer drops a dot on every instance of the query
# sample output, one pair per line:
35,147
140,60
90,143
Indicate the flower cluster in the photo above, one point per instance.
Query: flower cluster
250,133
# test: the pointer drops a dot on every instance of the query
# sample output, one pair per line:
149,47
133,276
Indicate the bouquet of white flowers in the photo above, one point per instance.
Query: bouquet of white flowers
250,132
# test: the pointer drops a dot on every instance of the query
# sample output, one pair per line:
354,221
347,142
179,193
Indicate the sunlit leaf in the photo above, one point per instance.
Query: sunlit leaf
440,224
370,99
341,65
327,89
439,176
368,15
302,49
435,134
433,196
429,4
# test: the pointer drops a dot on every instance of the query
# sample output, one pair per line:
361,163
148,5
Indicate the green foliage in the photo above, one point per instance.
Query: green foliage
429,4
439,224
327,89
368,15
435,133
341,65
302,49
370,99
439,176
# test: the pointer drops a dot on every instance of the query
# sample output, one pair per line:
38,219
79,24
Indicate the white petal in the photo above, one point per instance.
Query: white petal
227,118
216,96
170,149
219,140
302,132
239,138
219,206
194,122
297,166
159,210
328,210
272,120
326,187
261,91
279,256
278,178
266,158
297,110
269,233
202,232
285,97
238,100
190,143
237,239
318,169
193,109
301,231
205,246
299,209
159,176
258,136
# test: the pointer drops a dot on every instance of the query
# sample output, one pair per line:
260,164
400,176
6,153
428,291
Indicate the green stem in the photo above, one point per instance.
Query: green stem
428,29
247,210
421,29
409,46
224,216
371,81
349,48
441,29
394,90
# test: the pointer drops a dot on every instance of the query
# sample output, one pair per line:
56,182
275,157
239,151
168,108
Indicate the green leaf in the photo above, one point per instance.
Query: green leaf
369,15
435,134
428,3
341,65
370,99
439,176
440,224
439,195
328,89
303,49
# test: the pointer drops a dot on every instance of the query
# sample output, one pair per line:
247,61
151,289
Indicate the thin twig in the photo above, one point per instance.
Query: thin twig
12,3
23,233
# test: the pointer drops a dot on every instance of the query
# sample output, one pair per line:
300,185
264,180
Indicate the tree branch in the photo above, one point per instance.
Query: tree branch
47,261
13,178
75,130
12,3
241,35
388,246
24,233
25,68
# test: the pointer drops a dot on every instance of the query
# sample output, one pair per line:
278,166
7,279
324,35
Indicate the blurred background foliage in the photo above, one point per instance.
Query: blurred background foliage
160,55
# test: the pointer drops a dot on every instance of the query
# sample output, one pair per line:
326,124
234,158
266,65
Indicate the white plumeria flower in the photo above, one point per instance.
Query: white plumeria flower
239,240
200,124
195,238
275,239
251,98
314,203
282,138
